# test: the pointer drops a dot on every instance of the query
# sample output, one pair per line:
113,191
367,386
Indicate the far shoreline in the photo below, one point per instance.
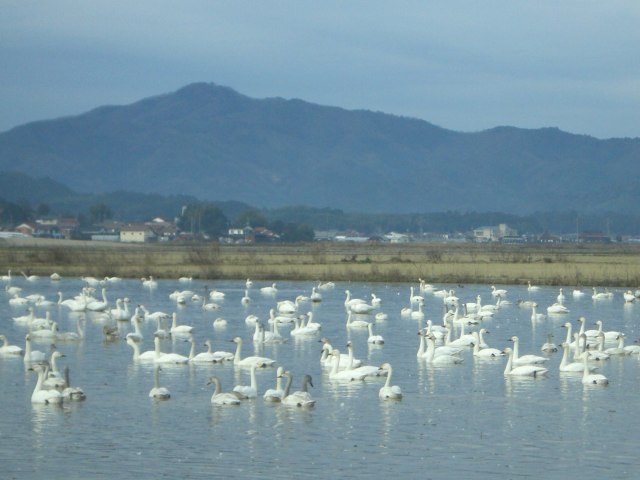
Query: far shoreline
584,265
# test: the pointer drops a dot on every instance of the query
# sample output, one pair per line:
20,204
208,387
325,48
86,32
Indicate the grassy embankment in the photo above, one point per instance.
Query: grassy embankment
584,265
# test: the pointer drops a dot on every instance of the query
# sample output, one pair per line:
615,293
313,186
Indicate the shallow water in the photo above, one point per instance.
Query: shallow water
465,421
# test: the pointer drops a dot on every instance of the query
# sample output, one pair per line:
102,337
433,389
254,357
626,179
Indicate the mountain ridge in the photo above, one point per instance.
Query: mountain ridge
213,143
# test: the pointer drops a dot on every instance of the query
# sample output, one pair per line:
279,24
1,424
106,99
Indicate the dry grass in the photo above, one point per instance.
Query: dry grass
615,265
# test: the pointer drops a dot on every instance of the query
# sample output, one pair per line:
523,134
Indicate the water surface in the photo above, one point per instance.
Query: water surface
466,421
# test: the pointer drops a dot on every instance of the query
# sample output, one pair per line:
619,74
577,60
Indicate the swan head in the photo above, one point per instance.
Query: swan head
213,380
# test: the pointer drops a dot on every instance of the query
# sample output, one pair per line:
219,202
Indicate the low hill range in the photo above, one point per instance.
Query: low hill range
212,143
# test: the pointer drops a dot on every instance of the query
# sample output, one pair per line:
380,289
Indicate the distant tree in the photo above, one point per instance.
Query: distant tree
203,218
100,212
297,232
43,209
250,217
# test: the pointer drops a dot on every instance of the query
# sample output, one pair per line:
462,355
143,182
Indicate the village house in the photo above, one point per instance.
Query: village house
136,233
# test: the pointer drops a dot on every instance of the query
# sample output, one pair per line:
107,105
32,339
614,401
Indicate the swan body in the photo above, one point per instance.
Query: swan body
388,391
498,291
97,305
158,392
7,349
486,352
535,316
248,391
571,367
374,339
32,355
346,375
72,393
148,356
222,398
272,290
523,370
557,308
532,288
161,357
344,361
41,395
275,394
549,346
589,378
246,299
153,316
249,361
301,398
356,323
202,357
180,329
524,359
444,359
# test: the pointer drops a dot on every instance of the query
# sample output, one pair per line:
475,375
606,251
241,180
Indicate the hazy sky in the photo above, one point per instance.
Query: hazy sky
464,65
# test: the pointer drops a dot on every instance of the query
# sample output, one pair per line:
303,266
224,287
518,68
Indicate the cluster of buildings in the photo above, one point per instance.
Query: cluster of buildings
161,230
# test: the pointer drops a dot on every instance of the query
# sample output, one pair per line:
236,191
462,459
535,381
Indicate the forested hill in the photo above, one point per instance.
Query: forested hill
212,143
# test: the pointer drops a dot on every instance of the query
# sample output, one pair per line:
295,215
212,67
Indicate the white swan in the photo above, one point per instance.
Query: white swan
246,299
99,306
148,356
444,359
7,349
524,359
158,392
30,278
415,298
344,361
557,308
532,288
219,397
179,329
486,352
153,315
137,333
589,378
32,355
570,367
7,277
248,391
202,357
356,323
560,298
53,377
171,358
600,295
315,296
40,395
346,375
549,346
523,370
149,282
72,393
301,329
252,360
300,398
374,339
535,316
248,283
388,391
367,370
209,306
216,295
362,308
272,290
418,314
275,394
498,291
